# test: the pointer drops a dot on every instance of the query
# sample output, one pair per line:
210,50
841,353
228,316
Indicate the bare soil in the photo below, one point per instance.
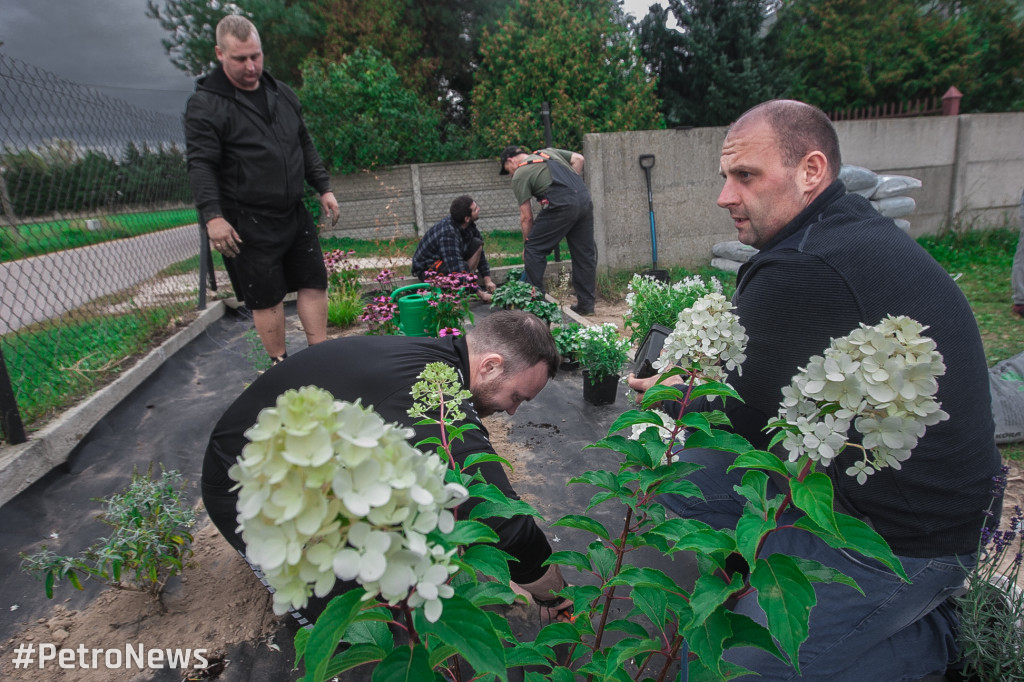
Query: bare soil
216,602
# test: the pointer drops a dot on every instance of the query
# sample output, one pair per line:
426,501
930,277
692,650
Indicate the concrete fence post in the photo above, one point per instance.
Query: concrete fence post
417,198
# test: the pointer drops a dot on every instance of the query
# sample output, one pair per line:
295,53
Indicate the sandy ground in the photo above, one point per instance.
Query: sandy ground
216,603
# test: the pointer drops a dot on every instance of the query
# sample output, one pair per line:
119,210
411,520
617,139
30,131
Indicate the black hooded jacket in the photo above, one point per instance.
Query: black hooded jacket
239,159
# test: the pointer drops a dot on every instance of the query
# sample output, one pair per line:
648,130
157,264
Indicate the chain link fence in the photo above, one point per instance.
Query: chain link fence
99,249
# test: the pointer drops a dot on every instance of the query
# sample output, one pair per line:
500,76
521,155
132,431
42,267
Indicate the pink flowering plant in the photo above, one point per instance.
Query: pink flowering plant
381,316
381,313
449,301
342,272
385,281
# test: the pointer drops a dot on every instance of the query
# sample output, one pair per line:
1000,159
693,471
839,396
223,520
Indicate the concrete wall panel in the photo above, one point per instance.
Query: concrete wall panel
971,167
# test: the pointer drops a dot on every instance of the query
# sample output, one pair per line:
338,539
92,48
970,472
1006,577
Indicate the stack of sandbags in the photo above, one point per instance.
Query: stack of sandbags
729,256
885,192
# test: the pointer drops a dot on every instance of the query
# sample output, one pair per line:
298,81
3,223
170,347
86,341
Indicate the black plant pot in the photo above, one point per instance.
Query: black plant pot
601,393
569,364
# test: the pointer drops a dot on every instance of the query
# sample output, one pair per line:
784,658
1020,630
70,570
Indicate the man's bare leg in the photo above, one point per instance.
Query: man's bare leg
270,326
311,305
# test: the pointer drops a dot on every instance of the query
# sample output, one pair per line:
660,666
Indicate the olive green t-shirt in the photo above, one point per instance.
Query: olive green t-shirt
533,179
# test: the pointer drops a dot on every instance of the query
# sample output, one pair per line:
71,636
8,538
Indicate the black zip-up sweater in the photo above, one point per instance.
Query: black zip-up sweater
837,264
381,371
237,158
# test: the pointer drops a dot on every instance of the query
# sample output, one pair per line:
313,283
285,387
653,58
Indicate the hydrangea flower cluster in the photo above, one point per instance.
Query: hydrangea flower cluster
709,334
882,380
668,425
328,490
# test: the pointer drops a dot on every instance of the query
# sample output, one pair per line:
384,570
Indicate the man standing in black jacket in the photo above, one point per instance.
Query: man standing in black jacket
248,154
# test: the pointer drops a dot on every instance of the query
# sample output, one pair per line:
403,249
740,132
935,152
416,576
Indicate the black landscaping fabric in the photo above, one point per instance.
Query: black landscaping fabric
167,421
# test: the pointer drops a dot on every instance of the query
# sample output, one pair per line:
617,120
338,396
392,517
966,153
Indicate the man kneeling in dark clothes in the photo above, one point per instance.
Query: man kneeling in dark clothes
505,360
454,244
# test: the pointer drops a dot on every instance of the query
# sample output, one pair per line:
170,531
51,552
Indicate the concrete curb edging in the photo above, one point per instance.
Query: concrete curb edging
24,464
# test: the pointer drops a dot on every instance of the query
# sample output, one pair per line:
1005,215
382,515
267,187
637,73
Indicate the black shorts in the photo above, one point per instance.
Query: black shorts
277,255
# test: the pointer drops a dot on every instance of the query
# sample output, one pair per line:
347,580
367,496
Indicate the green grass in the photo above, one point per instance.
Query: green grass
53,365
984,259
36,239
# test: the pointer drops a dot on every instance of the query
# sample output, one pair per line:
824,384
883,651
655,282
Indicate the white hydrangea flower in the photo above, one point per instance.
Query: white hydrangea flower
881,380
327,490
709,334
668,424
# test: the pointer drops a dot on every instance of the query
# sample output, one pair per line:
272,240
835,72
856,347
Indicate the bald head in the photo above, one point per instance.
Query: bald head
799,129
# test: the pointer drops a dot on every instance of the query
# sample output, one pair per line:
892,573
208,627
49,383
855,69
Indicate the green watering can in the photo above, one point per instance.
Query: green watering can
415,316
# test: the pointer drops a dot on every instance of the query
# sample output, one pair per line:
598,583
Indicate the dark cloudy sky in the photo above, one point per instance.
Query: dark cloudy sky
110,45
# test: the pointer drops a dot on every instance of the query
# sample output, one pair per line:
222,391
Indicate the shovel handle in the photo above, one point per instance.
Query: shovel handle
647,160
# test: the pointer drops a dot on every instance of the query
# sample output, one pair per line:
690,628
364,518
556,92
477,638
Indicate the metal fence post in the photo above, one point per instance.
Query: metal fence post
545,117
10,417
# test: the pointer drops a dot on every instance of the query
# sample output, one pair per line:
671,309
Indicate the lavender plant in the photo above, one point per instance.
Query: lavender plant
149,543
992,610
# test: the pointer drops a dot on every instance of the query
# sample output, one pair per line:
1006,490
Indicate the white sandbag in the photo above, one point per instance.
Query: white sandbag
1007,383
902,224
726,264
895,207
894,186
866,192
734,250
857,177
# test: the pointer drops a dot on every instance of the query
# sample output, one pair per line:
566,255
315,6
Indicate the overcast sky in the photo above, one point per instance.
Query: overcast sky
112,46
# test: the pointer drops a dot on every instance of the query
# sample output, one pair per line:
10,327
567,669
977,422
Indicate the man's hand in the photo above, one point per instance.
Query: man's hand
329,208
223,237
489,285
543,592
526,218
641,385
576,161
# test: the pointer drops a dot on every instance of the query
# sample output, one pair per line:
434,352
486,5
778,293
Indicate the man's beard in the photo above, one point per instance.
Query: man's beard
483,399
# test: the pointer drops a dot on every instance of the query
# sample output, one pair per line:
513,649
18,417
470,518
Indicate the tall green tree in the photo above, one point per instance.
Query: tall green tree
995,54
846,53
361,115
433,46
715,65
289,31
575,54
